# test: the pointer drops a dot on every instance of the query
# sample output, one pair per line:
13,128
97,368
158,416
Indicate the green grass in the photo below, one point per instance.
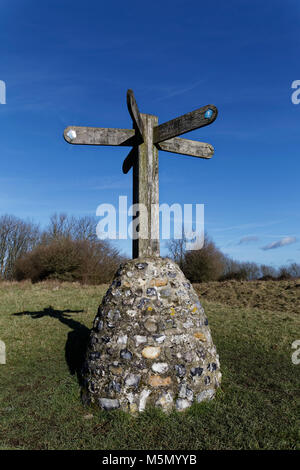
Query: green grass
40,408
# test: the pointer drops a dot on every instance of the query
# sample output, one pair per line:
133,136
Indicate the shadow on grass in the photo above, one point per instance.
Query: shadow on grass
77,340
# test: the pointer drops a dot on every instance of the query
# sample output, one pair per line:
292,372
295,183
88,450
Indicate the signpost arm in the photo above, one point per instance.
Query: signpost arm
188,122
192,148
134,113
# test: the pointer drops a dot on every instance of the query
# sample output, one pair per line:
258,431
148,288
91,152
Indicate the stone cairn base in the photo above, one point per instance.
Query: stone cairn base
150,342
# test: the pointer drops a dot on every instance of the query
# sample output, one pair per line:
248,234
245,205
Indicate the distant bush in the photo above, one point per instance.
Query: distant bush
284,274
268,278
293,270
204,265
240,271
268,272
69,260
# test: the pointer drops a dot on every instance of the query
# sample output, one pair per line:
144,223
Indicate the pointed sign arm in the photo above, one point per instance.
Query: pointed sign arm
99,136
192,148
134,112
187,147
188,122
129,160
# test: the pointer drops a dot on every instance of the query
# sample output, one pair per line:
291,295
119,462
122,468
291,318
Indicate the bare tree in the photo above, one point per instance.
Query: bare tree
177,250
63,227
84,228
268,272
16,238
294,270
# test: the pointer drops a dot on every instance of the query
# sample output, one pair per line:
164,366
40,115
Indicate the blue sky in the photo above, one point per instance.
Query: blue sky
70,63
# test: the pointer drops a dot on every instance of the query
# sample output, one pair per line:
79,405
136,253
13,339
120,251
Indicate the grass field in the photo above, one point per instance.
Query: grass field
45,327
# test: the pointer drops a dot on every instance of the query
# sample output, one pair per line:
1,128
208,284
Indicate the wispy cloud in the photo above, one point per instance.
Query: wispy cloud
279,243
169,91
248,239
111,183
175,91
249,226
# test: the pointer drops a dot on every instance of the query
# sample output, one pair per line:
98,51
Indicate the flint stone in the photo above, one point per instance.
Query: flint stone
125,354
140,339
207,380
94,355
143,399
172,275
122,339
196,371
157,381
141,266
109,403
158,282
114,386
151,352
182,404
143,302
151,291
205,395
165,293
151,325
185,392
159,338
132,380
180,370
160,367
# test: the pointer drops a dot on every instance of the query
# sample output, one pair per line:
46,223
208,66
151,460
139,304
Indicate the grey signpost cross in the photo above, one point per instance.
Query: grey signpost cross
146,138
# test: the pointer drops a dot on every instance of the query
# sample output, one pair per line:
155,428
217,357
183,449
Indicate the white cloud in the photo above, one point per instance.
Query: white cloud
279,243
250,238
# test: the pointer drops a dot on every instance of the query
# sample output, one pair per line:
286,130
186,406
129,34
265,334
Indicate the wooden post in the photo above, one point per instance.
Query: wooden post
145,192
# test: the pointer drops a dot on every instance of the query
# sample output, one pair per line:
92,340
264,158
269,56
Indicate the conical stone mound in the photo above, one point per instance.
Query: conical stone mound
150,342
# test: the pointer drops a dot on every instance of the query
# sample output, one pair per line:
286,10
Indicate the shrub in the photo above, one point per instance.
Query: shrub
204,265
240,271
69,260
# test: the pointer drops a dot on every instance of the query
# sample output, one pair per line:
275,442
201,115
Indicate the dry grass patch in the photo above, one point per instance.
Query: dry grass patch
281,296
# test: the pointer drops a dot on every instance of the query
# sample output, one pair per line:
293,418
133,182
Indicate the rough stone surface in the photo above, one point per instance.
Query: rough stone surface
150,342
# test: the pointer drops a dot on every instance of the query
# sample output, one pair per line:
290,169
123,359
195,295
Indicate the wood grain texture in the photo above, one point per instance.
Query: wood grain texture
101,136
187,147
146,193
134,113
186,123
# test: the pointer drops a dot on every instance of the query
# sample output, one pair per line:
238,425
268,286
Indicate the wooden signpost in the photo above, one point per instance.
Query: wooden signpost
146,138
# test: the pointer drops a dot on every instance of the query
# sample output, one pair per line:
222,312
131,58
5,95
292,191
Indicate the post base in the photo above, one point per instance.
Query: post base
150,343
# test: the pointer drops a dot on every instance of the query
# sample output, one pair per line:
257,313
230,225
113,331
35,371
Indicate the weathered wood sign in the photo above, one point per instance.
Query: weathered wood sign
147,137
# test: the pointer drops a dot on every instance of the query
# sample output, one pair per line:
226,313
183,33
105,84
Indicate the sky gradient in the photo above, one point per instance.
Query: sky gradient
71,63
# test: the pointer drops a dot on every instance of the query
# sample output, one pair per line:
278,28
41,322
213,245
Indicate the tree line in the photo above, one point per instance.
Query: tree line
210,264
68,250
